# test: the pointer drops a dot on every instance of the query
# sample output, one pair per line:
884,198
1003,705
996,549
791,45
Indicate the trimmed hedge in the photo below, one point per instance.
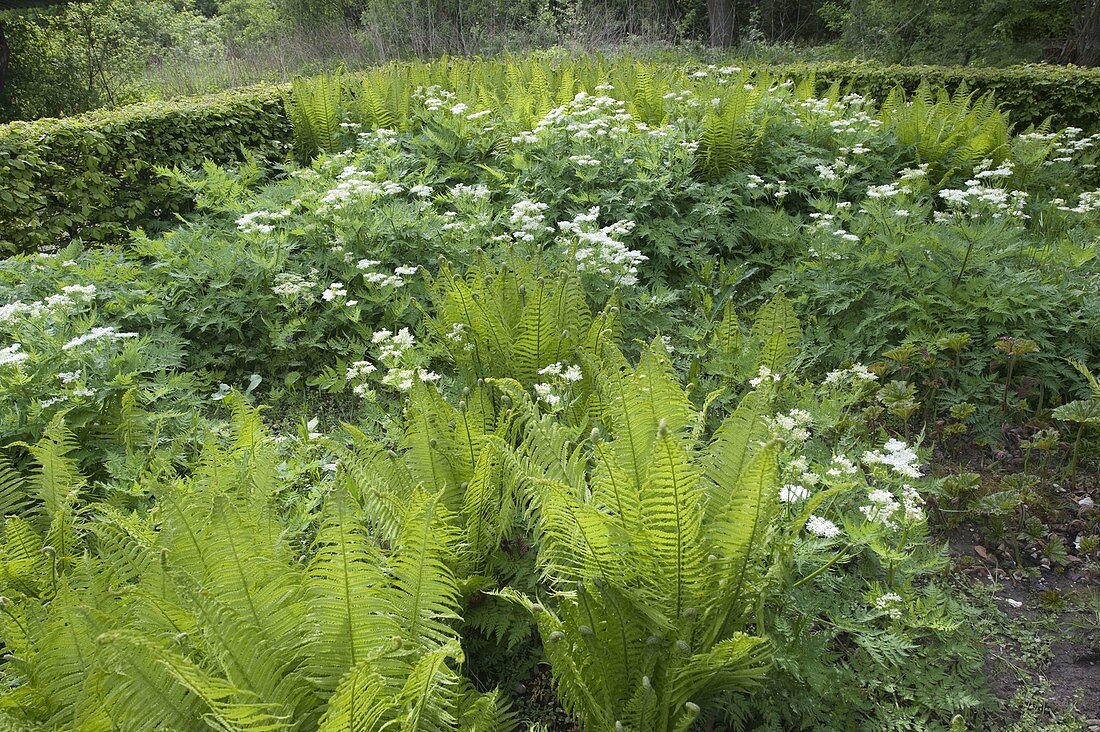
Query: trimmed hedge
92,176
1070,95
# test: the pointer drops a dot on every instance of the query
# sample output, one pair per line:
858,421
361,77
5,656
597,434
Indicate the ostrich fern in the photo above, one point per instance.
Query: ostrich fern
200,611
652,550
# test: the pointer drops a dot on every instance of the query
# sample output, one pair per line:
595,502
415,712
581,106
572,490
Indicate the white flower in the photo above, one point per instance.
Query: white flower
80,293
898,457
882,508
545,393
12,355
360,370
822,527
289,286
597,250
841,466
334,291
573,374
421,190
764,374
856,372
67,377
102,333
400,379
476,191
554,369
888,603
17,309
793,493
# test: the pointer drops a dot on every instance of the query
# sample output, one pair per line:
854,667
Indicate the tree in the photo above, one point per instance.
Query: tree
1083,49
723,22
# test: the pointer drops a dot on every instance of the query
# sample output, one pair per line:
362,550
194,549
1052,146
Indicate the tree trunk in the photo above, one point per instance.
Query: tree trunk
723,21
1084,48
5,57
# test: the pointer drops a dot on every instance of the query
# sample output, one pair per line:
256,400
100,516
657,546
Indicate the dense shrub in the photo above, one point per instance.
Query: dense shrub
1028,93
94,176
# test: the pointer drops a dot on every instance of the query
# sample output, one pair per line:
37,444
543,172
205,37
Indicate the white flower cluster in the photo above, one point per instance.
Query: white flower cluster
584,118
13,355
335,291
898,456
884,508
985,170
584,161
79,293
1087,202
392,346
798,470
403,379
841,466
108,333
359,371
888,190
436,98
355,184
15,310
1067,142
261,222
822,527
793,493
564,375
458,335
764,375
854,374
977,198
889,603
834,172
69,295
68,377
290,286
793,426
383,279
847,116
597,250
475,192
528,219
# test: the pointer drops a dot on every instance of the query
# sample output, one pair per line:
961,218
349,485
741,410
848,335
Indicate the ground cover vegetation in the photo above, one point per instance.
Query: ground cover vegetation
595,398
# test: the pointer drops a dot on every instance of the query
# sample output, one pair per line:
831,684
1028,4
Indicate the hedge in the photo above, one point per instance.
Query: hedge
1069,95
92,176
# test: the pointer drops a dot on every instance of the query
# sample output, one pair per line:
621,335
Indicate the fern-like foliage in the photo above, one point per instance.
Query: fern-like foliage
654,552
315,109
200,612
947,131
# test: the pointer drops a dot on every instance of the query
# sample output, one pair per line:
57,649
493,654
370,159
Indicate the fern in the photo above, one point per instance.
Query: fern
315,109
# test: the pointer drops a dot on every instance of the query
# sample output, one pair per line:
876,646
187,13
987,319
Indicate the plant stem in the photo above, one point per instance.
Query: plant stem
822,569
966,260
1008,380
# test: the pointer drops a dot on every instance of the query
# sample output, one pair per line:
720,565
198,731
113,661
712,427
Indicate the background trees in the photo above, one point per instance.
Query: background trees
70,58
